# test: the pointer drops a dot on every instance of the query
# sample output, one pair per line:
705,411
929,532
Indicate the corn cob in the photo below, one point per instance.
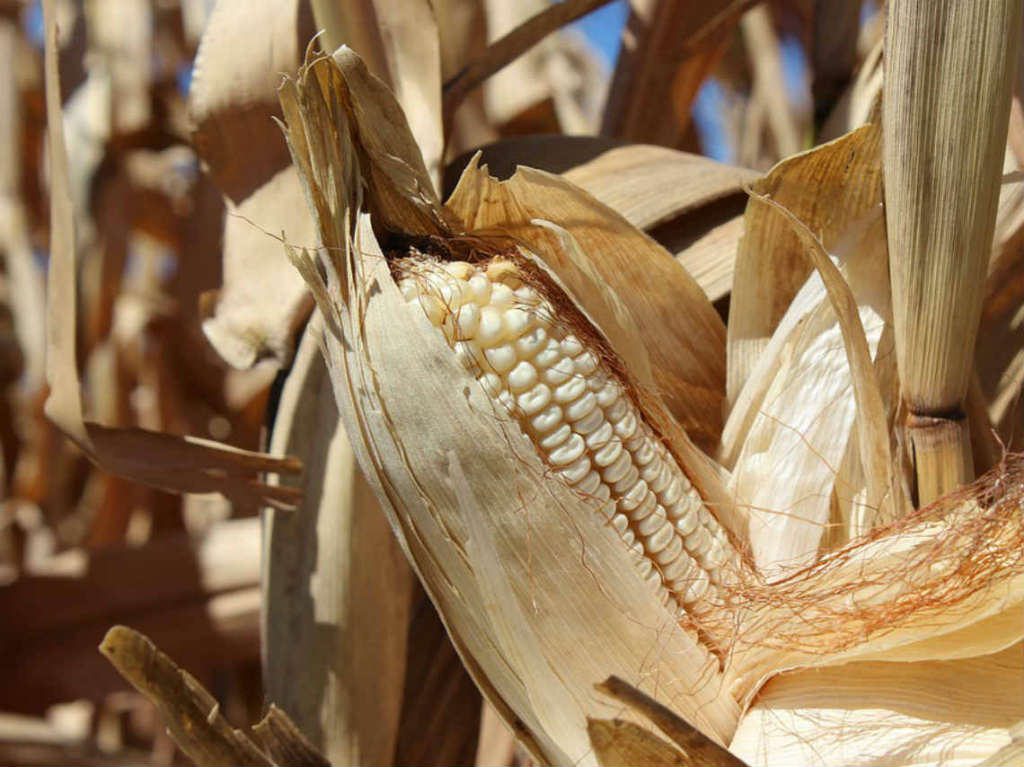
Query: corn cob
579,415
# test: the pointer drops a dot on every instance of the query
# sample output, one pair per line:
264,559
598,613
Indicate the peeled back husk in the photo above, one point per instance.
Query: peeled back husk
537,591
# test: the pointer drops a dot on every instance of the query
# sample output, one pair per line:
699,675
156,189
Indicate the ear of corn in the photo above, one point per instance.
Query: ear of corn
536,585
470,366
578,414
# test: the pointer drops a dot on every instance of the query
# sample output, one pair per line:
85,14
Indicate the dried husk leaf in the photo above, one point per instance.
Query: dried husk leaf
684,201
829,188
400,42
949,74
938,712
801,410
616,742
649,185
336,586
647,296
177,464
944,580
457,504
785,451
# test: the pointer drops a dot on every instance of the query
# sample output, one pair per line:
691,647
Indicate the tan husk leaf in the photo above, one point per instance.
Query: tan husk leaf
648,185
828,188
169,462
946,712
336,586
680,199
681,356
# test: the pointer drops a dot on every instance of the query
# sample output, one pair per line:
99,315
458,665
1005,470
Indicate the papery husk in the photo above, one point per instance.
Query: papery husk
688,203
646,296
541,607
337,589
938,712
650,185
948,81
830,188
941,582
787,433
799,410
400,42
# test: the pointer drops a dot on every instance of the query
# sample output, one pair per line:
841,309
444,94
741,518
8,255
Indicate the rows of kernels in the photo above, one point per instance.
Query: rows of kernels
577,414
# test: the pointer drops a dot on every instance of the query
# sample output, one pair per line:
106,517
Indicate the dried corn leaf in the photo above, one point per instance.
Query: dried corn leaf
180,464
261,303
669,48
244,50
336,586
768,92
939,712
649,185
191,713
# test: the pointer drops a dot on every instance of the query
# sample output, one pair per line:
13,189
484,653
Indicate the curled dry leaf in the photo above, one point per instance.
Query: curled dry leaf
245,48
180,464
497,386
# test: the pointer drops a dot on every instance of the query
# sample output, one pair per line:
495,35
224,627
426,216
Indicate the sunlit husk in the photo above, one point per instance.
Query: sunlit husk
938,712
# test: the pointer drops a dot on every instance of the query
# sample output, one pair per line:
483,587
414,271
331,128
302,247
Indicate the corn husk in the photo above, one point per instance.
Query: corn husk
949,74
515,605
937,712
337,588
